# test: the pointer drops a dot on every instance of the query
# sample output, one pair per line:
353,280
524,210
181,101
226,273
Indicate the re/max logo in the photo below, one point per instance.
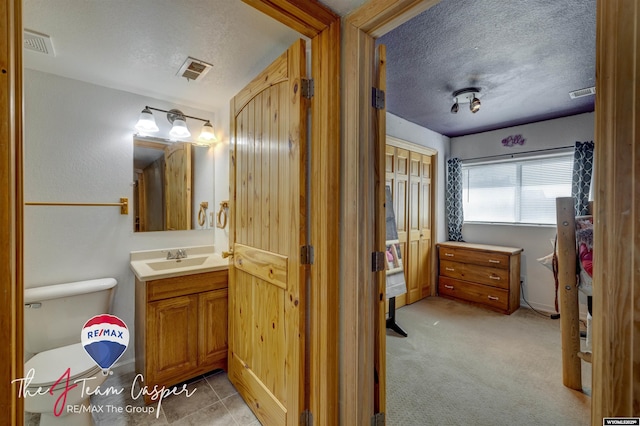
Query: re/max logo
104,332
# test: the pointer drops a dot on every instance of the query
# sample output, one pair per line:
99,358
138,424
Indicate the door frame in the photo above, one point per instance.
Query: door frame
616,52
322,26
11,215
617,291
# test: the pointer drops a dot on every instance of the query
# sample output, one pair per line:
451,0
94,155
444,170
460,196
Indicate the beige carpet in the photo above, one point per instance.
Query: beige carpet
463,365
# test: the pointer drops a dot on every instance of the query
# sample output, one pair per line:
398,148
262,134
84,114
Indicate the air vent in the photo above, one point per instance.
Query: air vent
38,42
194,69
582,92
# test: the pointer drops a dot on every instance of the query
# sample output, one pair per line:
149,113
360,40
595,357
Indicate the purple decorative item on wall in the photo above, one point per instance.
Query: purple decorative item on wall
513,140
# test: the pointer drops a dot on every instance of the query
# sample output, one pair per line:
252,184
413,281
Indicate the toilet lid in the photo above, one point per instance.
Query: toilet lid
50,365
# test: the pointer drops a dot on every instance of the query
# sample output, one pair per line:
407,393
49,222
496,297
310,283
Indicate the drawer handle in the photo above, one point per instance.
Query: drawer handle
493,261
493,298
449,254
493,277
450,287
450,269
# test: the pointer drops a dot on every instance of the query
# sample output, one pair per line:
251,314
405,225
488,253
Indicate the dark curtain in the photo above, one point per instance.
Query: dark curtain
582,172
454,199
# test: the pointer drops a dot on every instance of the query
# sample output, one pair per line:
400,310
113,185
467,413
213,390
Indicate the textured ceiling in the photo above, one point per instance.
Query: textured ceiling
138,46
525,56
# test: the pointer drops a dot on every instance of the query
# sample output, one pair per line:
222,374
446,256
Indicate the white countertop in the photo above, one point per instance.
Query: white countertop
208,260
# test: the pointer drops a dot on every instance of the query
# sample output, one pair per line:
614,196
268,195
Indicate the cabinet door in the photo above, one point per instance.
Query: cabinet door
212,344
172,336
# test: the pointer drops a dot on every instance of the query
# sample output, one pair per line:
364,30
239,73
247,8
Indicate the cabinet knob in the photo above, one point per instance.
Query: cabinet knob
226,254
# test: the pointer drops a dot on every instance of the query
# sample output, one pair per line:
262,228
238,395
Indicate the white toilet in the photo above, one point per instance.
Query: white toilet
53,319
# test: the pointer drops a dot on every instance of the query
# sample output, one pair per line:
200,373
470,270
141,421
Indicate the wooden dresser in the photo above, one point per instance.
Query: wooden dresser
484,275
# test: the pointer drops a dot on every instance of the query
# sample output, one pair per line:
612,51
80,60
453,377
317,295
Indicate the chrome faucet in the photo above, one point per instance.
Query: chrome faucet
179,254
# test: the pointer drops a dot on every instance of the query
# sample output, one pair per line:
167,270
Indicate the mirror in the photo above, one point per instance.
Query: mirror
173,185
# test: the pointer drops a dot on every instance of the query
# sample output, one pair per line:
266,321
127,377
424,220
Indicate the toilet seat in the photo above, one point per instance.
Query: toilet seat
50,365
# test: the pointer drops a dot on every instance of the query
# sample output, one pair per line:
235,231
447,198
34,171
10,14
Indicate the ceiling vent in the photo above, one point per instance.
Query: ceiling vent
38,42
194,69
582,92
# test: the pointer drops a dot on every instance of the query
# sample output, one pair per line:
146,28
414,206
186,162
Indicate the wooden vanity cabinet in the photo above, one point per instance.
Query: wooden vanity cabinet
181,327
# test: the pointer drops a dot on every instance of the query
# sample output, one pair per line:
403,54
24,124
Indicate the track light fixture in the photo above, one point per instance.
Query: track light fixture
468,94
179,130
455,107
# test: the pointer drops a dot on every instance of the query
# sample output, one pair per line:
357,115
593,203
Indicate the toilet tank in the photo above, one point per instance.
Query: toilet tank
54,315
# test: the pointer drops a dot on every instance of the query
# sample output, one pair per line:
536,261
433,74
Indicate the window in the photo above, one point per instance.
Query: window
518,191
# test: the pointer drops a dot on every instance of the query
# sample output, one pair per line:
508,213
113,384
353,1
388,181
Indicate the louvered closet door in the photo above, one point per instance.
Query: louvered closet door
420,226
397,177
408,174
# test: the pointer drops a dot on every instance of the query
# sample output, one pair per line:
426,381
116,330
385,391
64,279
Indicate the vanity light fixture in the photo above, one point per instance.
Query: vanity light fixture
207,133
146,123
469,95
179,130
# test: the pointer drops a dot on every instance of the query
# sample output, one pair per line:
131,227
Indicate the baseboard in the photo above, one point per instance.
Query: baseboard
547,309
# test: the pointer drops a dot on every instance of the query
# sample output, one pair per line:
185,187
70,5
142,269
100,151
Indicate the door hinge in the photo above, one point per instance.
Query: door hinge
308,88
377,419
306,255
306,418
377,98
377,261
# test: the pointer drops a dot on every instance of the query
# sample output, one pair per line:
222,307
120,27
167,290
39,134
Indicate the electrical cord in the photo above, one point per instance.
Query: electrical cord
550,316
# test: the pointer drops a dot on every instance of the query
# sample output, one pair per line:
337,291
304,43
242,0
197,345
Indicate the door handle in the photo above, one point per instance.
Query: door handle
226,254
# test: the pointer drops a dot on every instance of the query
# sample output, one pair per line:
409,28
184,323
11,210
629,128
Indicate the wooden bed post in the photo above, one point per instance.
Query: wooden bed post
568,290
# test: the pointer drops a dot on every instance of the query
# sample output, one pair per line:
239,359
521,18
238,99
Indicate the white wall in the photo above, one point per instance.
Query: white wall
79,148
411,132
221,166
539,287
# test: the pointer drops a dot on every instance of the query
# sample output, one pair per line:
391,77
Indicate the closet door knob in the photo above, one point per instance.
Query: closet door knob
226,254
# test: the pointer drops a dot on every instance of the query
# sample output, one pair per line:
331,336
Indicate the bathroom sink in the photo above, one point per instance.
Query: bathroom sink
148,265
163,265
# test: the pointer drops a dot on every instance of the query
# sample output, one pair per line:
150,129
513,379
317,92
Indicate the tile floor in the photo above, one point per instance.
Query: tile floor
212,401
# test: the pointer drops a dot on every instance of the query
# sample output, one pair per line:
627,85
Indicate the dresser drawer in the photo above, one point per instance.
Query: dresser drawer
491,259
476,293
494,277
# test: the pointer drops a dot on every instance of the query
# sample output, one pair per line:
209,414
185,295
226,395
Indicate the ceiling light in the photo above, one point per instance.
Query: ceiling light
146,123
455,107
179,130
474,106
469,95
